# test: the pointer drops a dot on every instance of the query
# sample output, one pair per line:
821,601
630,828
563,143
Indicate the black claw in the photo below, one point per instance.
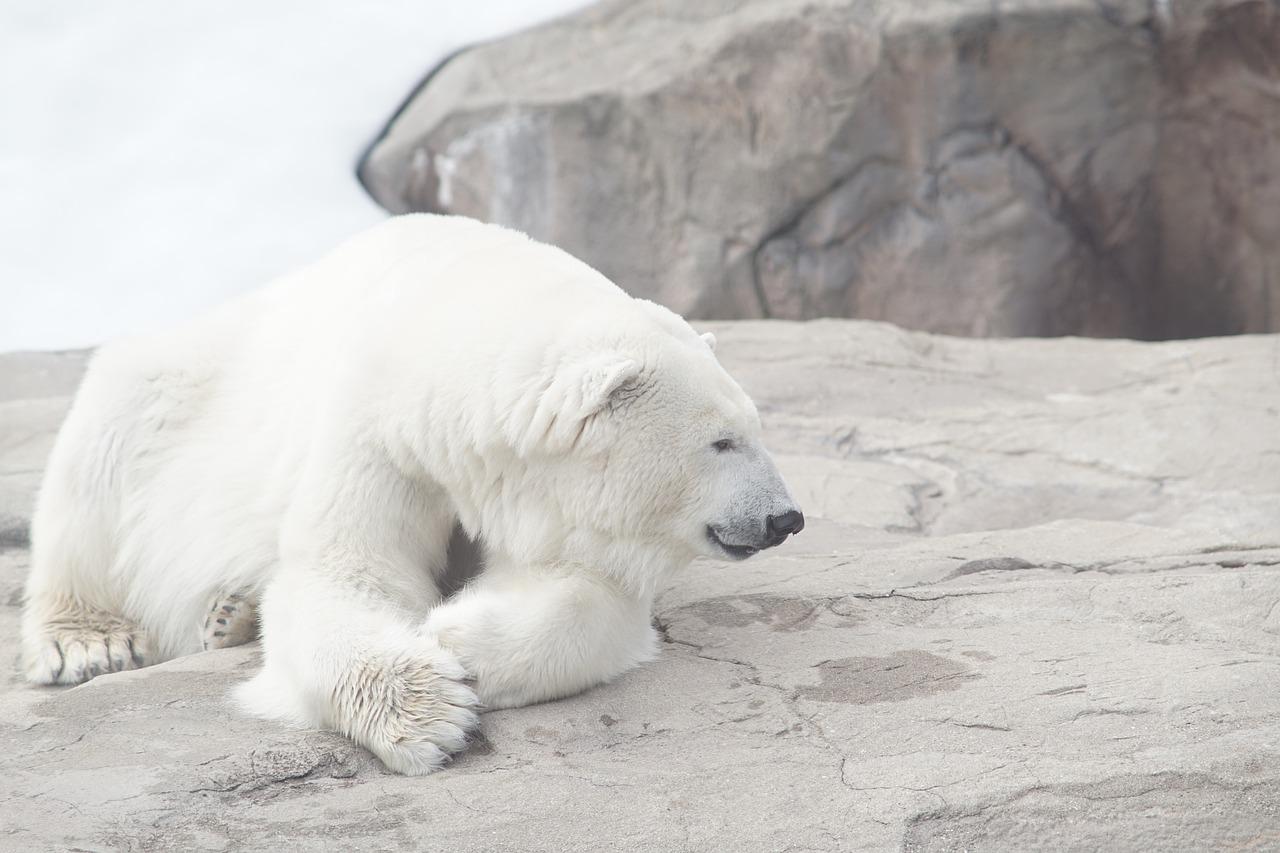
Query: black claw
62,661
219,633
133,653
222,621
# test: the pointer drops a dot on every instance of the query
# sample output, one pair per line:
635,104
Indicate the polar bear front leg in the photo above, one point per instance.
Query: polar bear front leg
341,620
339,657
532,634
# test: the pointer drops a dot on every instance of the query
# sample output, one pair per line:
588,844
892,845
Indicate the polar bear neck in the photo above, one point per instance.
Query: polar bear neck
640,567
536,532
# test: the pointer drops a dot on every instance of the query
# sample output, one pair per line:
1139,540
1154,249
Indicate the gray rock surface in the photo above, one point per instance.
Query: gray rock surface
1018,167
1037,607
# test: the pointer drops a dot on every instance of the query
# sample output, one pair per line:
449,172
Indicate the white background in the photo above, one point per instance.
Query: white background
158,156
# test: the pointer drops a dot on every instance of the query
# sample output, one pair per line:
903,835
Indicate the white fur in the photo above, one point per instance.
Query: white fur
314,443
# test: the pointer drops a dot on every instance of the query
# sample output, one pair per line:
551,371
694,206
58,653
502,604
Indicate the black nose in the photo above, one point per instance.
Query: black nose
791,521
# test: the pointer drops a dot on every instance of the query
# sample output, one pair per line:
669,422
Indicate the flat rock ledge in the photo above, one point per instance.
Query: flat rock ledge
1037,607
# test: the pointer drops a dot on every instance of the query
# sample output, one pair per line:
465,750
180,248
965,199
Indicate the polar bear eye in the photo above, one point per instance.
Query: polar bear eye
722,445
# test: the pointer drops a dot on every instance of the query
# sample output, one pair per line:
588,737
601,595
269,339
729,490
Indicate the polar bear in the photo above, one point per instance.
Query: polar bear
307,450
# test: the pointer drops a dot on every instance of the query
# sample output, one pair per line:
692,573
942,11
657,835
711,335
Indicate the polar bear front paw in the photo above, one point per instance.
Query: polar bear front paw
413,711
77,644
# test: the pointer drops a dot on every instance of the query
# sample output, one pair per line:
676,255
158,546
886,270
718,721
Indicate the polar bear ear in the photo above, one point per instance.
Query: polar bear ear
600,379
710,340
554,417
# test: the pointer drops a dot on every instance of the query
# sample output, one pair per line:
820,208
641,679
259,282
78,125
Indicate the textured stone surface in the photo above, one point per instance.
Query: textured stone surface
1021,167
1037,607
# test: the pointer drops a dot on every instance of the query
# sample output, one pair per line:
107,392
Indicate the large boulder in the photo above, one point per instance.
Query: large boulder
1037,607
1034,167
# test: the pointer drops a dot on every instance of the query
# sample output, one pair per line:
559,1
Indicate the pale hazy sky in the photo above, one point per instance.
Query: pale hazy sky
157,157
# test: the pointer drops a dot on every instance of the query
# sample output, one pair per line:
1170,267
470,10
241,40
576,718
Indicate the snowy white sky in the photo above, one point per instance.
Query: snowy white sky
157,157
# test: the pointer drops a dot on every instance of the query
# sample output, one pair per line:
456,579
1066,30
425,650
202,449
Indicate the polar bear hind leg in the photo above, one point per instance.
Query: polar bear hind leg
232,620
74,625
71,626
66,642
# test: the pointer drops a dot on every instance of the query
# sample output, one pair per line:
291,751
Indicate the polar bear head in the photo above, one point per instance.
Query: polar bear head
654,446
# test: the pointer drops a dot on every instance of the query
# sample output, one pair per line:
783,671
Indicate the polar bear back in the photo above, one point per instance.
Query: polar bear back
425,268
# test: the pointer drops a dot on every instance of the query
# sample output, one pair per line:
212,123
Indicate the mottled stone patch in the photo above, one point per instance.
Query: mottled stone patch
902,675
739,611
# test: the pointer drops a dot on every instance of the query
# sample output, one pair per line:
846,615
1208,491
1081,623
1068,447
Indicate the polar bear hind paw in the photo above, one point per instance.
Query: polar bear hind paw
79,644
231,620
